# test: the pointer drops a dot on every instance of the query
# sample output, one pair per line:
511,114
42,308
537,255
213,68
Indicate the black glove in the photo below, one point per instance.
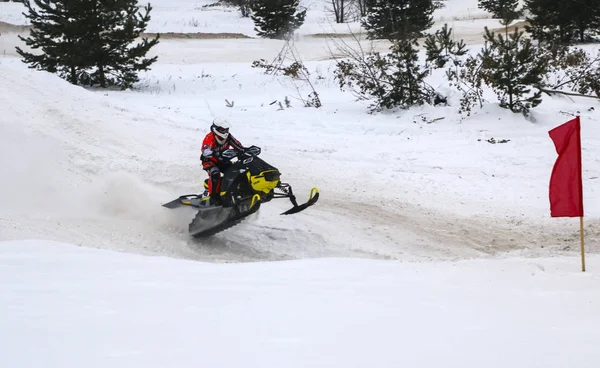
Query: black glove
228,154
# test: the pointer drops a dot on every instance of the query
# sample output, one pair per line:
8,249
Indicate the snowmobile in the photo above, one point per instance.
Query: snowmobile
247,183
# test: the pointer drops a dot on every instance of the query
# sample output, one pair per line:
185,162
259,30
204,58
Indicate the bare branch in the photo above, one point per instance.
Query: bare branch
550,92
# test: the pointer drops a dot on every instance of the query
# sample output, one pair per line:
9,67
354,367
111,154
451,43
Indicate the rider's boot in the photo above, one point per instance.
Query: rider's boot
215,194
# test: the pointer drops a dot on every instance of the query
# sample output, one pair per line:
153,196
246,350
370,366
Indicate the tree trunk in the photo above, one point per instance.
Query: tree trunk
73,75
362,7
101,75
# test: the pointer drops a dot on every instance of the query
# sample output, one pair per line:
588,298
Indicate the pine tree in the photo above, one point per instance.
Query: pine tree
406,79
276,19
89,41
398,19
441,48
243,6
585,16
561,22
549,21
58,30
114,25
504,10
395,79
511,67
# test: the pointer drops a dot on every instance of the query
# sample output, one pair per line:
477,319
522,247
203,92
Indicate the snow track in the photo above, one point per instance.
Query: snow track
93,167
82,172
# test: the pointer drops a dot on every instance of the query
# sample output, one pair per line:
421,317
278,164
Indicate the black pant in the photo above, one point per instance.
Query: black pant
214,173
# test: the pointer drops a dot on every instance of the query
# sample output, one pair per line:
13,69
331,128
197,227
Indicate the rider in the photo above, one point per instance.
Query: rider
215,142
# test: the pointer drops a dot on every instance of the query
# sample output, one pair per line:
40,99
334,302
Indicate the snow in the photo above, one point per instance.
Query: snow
198,16
429,245
93,308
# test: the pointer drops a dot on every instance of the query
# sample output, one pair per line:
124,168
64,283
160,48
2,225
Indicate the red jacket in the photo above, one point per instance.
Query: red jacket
211,149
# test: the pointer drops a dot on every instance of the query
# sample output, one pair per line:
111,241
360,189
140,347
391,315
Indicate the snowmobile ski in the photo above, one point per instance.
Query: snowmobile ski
314,197
193,200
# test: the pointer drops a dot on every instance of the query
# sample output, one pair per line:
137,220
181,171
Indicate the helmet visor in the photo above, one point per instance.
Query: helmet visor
222,130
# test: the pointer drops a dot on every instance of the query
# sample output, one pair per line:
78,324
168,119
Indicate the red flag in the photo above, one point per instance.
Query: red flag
566,187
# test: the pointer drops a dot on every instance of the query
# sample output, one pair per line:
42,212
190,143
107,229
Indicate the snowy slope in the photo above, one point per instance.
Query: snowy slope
394,185
90,169
434,190
63,306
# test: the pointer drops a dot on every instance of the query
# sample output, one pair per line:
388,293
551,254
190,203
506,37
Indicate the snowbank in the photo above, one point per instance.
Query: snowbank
80,307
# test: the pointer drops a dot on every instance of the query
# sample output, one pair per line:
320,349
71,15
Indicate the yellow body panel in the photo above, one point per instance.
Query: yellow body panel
261,184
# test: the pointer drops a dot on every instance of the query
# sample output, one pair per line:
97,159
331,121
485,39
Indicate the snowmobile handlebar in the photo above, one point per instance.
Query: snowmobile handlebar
251,151
246,152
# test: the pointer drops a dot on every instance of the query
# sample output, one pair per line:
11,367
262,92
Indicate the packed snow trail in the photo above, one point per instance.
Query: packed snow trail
93,167
81,171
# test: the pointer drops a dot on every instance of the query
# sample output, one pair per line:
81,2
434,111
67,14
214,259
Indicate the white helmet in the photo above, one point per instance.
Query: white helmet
220,128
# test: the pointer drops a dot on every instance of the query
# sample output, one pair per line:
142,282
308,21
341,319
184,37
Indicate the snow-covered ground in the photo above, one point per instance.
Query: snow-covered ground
63,306
198,16
373,275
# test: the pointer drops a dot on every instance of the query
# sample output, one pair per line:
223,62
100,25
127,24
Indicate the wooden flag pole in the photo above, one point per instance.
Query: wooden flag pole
566,182
582,247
